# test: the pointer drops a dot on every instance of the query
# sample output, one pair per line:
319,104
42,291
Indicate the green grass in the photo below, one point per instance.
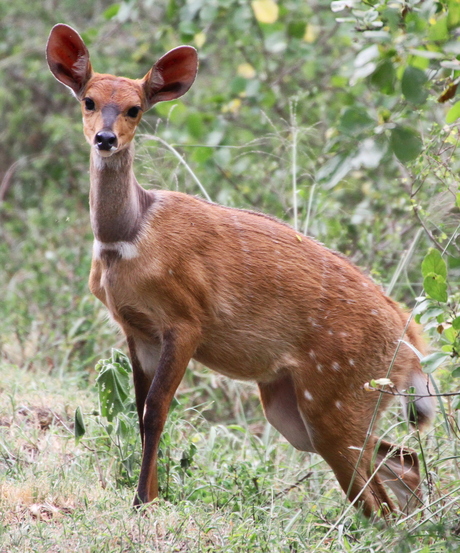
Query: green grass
245,488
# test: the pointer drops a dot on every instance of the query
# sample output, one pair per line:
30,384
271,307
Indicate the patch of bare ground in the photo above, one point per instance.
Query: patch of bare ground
43,417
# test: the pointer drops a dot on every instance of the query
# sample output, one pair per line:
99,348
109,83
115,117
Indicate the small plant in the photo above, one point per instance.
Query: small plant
117,415
439,313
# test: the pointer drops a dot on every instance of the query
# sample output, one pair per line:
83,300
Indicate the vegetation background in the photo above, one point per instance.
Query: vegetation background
340,118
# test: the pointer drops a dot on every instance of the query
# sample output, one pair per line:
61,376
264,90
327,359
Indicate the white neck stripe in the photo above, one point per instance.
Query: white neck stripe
126,250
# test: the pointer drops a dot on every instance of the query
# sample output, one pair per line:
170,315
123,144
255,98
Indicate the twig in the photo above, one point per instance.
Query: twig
295,485
396,392
436,244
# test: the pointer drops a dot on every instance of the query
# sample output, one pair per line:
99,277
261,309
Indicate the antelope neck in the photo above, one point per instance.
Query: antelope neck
117,202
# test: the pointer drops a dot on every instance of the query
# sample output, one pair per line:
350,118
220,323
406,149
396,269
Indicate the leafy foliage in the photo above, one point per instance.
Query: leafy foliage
434,271
440,311
113,384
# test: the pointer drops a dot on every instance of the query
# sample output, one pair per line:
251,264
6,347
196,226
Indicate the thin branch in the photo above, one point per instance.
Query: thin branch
427,230
292,486
396,392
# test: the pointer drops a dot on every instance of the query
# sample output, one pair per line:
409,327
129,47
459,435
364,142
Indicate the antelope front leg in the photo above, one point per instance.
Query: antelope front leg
176,352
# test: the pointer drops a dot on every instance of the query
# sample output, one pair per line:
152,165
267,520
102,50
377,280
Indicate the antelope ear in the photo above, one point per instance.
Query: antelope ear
68,58
171,76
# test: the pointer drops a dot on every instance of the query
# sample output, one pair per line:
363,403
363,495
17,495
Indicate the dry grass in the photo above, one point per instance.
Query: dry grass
240,494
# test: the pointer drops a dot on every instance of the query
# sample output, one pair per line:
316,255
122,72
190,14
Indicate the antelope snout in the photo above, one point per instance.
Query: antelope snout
106,141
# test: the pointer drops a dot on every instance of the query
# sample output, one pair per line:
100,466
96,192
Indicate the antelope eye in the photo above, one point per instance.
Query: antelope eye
133,112
89,104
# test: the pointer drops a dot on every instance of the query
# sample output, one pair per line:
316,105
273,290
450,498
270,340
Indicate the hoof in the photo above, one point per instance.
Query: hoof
141,502
138,502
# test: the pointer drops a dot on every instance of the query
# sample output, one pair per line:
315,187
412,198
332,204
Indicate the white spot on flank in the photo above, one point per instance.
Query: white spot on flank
365,284
338,404
351,362
126,250
308,395
374,312
336,366
330,332
312,354
344,334
285,360
319,367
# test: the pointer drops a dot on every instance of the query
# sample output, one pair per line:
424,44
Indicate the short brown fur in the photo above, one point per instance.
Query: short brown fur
240,292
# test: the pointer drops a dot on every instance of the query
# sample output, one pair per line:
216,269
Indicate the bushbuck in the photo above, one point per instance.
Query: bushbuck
240,292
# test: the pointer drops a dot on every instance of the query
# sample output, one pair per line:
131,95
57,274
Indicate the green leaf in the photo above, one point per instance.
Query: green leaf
435,286
412,85
431,362
113,384
119,357
450,334
405,143
456,323
453,114
439,31
384,77
111,11
333,171
419,61
430,314
456,372
79,425
433,262
354,120
453,14
296,29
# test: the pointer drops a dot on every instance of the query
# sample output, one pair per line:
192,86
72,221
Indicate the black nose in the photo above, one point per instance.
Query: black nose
105,140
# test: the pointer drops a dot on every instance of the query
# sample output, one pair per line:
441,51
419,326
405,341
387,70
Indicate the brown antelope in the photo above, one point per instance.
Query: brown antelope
240,292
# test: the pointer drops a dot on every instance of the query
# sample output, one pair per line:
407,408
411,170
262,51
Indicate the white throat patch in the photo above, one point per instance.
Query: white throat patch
126,250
